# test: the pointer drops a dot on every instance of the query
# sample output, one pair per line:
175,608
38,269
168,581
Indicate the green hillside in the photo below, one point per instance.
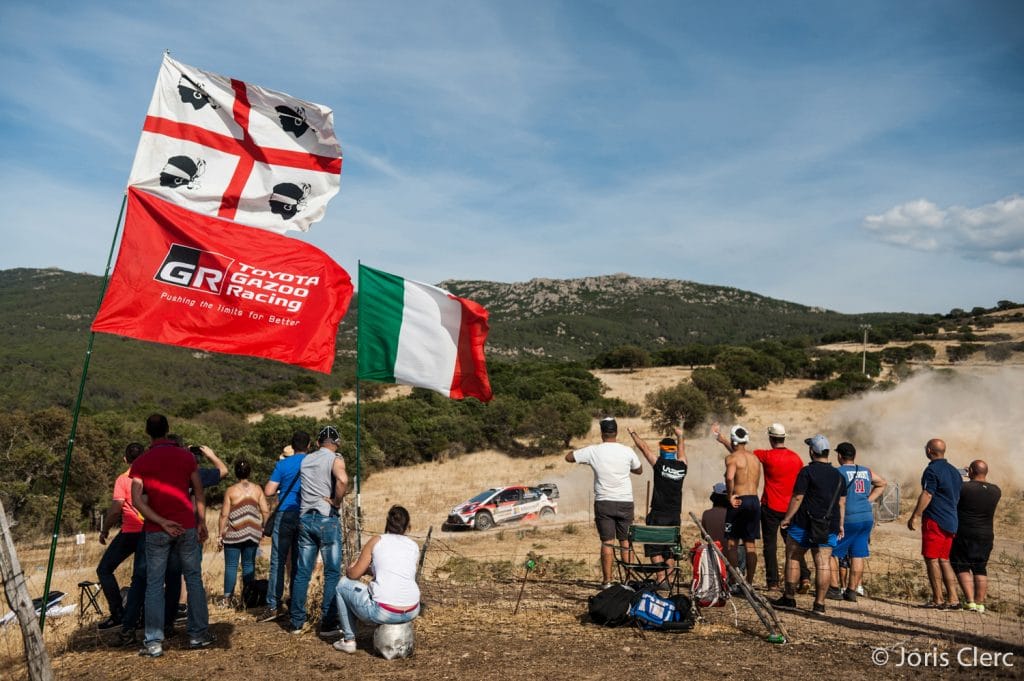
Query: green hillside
45,316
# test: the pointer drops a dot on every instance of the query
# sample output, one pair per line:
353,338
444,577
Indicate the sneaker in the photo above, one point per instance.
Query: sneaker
860,590
805,586
298,631
735,589
154,650
784,603
849,595
204,641
126,637
606,585
834,593
267,615
345,646
226,602
182,613
951,606
972,606
330,632
109,623
980,609
818,609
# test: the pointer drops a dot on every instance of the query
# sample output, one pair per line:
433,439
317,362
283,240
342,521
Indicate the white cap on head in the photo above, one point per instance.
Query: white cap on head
739,435
777,430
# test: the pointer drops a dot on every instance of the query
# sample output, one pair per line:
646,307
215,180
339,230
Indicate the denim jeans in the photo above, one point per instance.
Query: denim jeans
284,546
321,532
120,548
232,553
160,548
131,619
355,602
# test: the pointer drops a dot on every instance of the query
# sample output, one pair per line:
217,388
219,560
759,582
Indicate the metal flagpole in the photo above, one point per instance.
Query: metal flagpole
358,512
74,421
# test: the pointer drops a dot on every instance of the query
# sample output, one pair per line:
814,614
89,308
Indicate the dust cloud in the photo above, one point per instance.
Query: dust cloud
979,415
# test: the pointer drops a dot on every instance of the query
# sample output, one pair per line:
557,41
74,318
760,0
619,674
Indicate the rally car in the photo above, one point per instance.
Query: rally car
504,505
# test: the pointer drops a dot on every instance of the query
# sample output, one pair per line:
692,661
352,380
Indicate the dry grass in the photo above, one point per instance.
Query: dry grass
472,579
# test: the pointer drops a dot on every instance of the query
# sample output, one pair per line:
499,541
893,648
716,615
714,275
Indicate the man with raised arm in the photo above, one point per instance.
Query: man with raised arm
742,480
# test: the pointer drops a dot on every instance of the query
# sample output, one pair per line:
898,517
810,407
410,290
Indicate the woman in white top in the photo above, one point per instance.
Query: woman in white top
392,597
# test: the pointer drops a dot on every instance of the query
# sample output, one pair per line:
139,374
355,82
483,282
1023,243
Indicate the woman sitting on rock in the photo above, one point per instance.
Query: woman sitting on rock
392,597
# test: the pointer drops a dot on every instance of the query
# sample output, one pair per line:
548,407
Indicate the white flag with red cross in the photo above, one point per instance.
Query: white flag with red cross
233,150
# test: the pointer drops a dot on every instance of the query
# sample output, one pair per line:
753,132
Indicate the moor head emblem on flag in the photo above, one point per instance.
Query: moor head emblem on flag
182,171
269,160
193,93
288,199
293,120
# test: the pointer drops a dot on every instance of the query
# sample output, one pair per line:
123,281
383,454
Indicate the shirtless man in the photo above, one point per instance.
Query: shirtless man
742,480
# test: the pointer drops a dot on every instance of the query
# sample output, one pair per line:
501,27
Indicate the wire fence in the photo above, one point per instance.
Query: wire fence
489,570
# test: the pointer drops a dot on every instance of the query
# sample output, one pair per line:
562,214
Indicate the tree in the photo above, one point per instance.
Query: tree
959,353
623,357
684,401
748,369
723,400
845,384
998,352
555,420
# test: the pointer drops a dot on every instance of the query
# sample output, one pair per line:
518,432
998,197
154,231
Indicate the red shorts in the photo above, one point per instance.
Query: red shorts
935,541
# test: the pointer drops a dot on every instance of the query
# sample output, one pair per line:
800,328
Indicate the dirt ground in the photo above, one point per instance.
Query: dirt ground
471,582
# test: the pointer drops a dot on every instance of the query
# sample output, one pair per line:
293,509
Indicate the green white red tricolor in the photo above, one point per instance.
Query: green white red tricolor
421,335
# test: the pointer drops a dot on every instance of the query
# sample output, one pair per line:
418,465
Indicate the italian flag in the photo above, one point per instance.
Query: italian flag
420,335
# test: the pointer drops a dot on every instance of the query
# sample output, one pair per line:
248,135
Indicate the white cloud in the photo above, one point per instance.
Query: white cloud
992,232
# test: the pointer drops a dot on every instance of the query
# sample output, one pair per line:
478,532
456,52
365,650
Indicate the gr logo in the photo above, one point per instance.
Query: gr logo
194,269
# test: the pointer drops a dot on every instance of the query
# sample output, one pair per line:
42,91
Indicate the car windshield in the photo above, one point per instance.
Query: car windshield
482,497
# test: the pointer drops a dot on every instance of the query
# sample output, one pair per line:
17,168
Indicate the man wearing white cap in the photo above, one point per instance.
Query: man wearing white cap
781,466
742,479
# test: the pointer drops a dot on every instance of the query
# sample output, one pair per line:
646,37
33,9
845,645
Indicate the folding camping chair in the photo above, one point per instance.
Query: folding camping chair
88,595
636,566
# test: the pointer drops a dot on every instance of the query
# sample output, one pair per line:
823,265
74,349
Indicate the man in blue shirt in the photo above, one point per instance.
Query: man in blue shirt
940,494
863,487
284,483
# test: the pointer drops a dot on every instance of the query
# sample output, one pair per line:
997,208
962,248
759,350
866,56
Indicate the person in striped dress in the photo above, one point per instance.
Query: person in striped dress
242,516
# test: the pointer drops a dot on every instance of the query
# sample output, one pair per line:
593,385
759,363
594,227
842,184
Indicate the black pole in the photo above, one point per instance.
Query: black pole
74,423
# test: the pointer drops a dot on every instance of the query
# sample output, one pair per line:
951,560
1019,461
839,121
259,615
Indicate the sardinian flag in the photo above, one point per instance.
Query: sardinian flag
224,148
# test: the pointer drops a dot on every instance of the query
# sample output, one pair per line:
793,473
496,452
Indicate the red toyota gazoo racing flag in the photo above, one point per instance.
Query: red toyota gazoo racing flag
225,148
206,283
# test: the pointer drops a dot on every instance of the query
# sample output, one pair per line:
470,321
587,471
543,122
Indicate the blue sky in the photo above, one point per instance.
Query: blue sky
856,156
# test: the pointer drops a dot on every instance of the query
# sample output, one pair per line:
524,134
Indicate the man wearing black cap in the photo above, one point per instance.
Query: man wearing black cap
612,464
669,470
322,484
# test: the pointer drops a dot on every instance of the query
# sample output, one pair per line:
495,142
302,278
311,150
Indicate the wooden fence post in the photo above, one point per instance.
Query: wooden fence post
16,591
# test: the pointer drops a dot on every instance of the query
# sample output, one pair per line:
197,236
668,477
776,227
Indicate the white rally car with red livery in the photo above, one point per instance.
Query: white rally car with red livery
505,505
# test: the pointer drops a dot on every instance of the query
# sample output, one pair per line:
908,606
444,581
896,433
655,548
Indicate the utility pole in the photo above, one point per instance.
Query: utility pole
864,349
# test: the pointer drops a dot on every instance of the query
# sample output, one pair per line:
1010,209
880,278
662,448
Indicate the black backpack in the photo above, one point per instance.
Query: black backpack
610,607
254,594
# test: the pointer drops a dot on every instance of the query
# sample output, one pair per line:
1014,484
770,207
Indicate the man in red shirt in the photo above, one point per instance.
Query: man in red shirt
161,479
781,466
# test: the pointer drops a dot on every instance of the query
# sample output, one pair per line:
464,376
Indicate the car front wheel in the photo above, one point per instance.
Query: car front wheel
484,521
547,513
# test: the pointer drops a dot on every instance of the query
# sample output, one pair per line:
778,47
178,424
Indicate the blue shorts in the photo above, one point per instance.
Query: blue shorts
799,535
854,543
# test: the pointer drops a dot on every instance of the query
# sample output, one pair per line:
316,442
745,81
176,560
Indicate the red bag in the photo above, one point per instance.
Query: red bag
710,584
